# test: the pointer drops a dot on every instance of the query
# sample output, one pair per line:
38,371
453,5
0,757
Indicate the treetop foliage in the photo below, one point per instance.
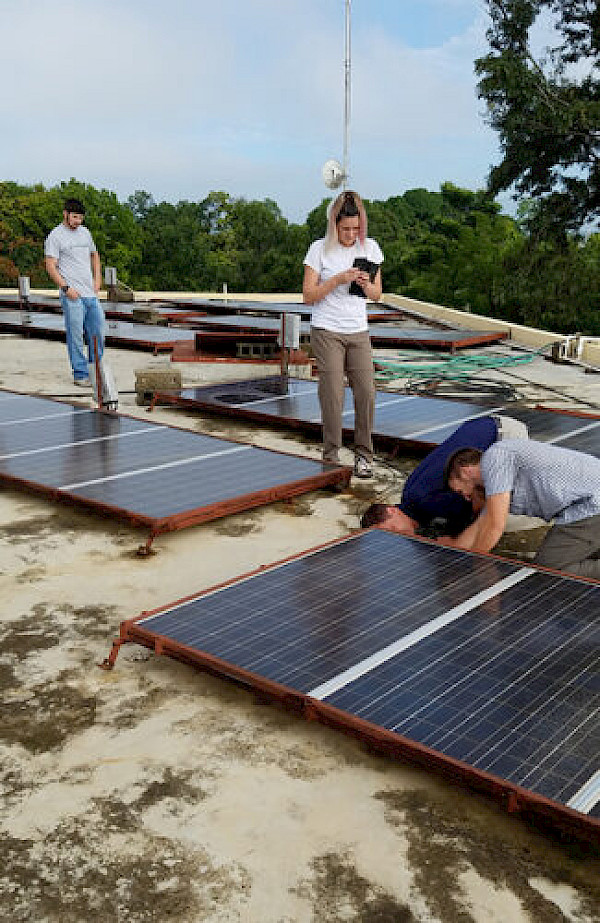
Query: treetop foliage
451,247
546,108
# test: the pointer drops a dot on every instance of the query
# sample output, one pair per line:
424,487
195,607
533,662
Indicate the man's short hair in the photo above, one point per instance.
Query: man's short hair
74,207
460,459
375,515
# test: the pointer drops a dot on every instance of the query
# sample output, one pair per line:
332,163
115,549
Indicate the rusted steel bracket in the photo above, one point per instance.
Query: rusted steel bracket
109,662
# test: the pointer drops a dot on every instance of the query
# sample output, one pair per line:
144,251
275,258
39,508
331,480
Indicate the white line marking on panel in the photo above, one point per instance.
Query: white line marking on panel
49,416
173,464
275,397
588,795
409,640
575,432
397,400
72,445
475,416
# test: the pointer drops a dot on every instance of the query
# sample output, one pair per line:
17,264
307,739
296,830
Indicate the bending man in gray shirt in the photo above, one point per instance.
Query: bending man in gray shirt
534,479
72,262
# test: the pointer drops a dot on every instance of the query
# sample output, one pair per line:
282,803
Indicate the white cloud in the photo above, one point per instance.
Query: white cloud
189,96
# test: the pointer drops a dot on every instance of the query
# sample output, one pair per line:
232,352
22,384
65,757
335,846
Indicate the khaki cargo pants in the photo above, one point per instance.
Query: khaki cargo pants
338,354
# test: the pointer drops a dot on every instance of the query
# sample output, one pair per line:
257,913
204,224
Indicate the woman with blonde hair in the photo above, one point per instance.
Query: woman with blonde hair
341,271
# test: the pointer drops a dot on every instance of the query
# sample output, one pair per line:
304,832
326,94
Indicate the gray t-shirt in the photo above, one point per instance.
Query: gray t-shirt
72,249
546,481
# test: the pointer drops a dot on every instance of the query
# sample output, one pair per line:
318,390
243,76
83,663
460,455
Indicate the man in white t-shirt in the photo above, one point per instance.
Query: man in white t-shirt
72,262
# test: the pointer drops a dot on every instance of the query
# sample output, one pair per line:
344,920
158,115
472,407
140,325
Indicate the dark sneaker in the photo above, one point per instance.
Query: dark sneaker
82,382
362,468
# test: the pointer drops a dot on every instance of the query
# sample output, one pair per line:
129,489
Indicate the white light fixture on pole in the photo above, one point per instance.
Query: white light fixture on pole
333,172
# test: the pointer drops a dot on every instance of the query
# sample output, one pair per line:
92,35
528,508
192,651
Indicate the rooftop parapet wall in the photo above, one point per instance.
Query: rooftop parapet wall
524,336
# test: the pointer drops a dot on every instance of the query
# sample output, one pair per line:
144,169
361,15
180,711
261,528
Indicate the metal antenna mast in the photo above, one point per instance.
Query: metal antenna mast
334,173
347,63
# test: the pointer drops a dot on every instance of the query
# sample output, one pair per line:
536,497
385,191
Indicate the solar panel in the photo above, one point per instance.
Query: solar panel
117,333
465,662
34,302
268,308
384,335
399,418
195,306
148,473
112,309
220,305
143,336
389,335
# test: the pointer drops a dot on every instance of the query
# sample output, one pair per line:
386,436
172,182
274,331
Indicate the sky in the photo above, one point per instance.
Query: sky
183,97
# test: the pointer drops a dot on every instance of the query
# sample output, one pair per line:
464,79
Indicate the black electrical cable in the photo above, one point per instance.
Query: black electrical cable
561,394
477,388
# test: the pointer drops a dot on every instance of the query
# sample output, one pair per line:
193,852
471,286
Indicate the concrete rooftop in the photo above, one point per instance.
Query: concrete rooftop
158,793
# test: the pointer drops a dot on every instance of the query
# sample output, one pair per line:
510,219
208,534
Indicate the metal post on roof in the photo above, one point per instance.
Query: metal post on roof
24,292
347,89
288,339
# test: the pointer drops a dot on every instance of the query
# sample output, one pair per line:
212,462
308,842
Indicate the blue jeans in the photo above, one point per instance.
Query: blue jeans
82,316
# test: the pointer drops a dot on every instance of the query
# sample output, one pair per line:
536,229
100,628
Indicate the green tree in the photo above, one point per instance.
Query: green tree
546,110
271,250
28,214
174,246
140,204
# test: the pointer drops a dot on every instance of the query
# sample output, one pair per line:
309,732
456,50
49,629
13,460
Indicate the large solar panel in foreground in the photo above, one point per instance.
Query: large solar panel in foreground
399,418
480,667
151,474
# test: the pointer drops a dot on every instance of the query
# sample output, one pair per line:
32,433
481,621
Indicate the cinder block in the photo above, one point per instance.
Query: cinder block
147,316
148,381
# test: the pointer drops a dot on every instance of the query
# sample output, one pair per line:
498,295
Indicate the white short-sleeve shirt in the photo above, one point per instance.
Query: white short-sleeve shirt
340,311
72,247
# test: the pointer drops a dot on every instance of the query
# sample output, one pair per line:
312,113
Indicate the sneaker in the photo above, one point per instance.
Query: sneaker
82,382
362,468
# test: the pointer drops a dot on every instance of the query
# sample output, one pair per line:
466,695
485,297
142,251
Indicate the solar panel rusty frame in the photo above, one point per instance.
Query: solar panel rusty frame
384,440
114,310
187,352
43,326
334,475
381,337
375,312
385,335
514,798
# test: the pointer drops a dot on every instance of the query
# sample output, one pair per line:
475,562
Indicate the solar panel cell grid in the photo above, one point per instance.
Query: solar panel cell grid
149,473
364,599
85,461
169,491
408,418
145,336
17,407
41,436
509,685
517,674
